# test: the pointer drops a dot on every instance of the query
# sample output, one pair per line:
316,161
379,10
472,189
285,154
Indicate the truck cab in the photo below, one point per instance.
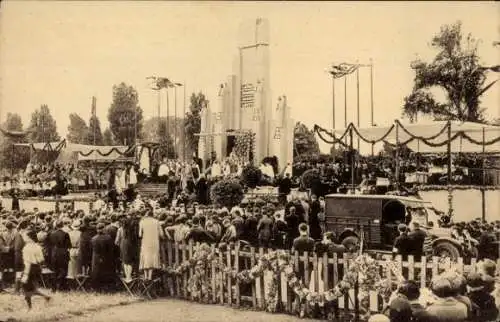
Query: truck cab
375,218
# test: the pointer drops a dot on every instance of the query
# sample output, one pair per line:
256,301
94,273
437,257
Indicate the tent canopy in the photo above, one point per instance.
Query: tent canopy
426,135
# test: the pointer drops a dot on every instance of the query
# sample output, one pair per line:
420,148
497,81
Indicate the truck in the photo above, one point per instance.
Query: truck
375,218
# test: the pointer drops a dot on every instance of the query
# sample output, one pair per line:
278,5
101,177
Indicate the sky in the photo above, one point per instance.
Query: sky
63,53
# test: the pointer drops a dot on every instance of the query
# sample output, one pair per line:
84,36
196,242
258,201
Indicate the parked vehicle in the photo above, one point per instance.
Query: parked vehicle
376,218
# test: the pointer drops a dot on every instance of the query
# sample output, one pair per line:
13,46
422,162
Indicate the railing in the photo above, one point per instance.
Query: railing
325,270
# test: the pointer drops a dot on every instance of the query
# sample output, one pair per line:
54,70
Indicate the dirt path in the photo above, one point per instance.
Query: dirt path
181,311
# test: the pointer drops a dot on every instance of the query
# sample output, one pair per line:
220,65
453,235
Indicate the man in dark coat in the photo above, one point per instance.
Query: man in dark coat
402,243
292,222
199,235
88,231
102,259
314,225
284,187
417,237
60,244
112,230
202,190
251,223
302,244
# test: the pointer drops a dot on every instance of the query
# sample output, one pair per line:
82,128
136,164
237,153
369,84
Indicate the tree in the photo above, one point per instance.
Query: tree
77,129
107,137
456,70
94,135
193,120
13,158
304,141
43,126
124,113
226,193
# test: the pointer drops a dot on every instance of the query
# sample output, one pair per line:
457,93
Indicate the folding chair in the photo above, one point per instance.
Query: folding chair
146,287
46,277
130,286
81,281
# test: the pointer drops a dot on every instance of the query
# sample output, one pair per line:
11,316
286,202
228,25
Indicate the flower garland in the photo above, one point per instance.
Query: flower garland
244,143
199,284
363,271
456,187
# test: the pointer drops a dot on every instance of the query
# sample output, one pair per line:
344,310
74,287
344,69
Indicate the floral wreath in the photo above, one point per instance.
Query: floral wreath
363,271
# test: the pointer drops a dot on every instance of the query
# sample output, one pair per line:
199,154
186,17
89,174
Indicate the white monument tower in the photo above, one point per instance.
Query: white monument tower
245,102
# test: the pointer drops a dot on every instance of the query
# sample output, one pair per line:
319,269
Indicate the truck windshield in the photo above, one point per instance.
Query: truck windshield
418,214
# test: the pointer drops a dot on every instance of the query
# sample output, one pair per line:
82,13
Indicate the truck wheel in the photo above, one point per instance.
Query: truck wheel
446,250
351,243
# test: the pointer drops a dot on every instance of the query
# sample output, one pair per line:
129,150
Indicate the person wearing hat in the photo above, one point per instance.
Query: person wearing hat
32,273
74,236
60,244
292,222
445,307
483,303
102,259
265,229
402,243
150,233
88,231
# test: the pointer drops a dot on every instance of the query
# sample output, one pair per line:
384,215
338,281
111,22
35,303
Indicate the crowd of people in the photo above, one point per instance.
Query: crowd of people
451,296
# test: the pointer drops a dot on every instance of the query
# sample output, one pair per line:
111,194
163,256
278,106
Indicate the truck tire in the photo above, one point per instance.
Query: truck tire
446,249
351,243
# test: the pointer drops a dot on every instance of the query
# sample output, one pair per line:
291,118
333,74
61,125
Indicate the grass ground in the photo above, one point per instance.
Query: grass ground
172,310
62,305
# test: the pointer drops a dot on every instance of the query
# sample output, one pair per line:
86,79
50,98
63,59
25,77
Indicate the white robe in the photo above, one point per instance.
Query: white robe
132,176
216,170
163,170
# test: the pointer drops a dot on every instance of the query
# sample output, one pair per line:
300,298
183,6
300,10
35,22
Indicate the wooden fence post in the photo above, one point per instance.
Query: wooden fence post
221,284
262,283
191,269
179,292
411,268
229,279
423,272
237,268
252,264
213,276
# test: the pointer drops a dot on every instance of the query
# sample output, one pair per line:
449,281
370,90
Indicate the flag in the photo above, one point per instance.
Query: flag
343,69
158,83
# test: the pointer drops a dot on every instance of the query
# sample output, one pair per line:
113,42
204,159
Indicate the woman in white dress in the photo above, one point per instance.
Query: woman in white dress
150,233
74,236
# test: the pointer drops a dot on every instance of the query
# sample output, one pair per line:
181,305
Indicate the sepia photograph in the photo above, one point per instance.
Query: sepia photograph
254,161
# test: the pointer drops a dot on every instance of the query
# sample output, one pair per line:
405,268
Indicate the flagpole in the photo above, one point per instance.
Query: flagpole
168,124
371,97
184,126
175,119
357,101
333,102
